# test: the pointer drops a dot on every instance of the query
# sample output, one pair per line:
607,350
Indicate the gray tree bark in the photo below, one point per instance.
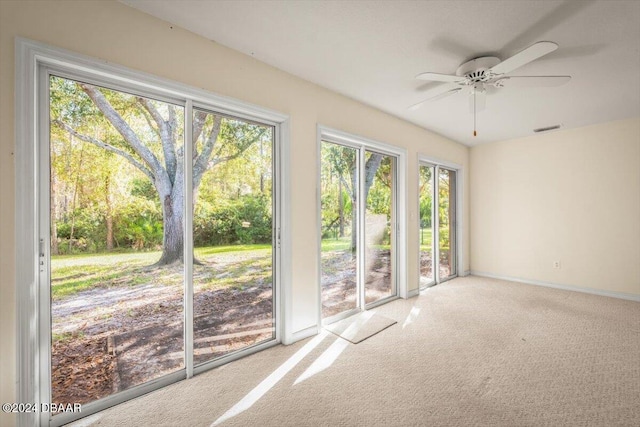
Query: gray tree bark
109,211
370,169
54,213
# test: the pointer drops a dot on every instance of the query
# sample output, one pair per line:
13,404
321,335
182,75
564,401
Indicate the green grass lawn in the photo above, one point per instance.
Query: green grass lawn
71,274
210,250
75,273
426,239
342,244
331,244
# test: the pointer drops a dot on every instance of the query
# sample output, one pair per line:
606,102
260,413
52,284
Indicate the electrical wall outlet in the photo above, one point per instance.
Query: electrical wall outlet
556,264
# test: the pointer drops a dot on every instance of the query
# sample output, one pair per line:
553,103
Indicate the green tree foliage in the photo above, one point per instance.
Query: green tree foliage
107,192
340,188
379,197
426,202
338,177
244,220
426,196
444,180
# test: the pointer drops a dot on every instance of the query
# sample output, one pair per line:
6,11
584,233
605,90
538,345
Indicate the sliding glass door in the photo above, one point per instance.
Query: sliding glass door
358,228
126,192
437,206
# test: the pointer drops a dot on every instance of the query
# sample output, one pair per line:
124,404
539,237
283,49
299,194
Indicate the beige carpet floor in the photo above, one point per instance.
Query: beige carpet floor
468,352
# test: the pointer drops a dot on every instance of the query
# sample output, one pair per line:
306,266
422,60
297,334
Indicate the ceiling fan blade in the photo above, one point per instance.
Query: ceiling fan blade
441,77
523,57
435,98
532,81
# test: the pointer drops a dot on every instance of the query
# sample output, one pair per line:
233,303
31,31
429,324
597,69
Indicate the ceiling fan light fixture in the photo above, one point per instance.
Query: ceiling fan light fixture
477,69
546,128
488,72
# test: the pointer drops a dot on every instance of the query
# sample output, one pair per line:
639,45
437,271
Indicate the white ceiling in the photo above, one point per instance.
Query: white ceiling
372,50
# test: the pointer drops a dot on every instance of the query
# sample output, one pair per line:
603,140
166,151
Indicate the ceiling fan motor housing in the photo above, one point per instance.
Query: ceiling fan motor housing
477,69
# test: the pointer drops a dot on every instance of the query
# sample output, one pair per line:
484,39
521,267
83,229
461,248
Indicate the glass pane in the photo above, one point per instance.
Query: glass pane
446,229
233,301
338,190
426,226
116,215
379,190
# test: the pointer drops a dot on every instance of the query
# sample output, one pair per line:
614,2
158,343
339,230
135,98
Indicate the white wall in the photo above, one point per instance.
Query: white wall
569,195
119,34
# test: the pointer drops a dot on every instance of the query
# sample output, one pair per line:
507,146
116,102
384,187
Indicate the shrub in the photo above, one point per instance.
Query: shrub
139,225
244,220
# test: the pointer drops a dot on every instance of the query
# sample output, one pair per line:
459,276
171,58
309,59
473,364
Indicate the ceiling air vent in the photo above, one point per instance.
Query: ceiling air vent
546,129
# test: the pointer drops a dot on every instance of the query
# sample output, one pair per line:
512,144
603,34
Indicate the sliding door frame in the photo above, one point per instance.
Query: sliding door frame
398,259
453,255
359,220
34,63
434,225
394,227
437,164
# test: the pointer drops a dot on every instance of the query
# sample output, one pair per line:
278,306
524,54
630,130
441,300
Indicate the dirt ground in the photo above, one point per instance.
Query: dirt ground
111,338
339,280
426,265
83,367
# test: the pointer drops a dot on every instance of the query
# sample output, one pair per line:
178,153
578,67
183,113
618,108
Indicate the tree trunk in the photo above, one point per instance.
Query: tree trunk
173,241
75,194
354,228
355,190
340,208
54,214
370,169
109,209
261,169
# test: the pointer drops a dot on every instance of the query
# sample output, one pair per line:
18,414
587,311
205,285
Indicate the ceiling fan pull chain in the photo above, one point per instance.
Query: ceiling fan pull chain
474,112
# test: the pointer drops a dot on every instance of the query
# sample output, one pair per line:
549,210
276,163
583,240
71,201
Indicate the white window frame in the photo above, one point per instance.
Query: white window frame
399,260
32,60
436,163
434,219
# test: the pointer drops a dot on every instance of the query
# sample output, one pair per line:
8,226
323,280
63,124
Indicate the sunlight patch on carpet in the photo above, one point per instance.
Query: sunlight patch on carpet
325,360
413,314
268,383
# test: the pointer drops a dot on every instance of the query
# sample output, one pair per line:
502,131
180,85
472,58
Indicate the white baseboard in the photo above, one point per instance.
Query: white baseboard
302,334
466,273
620,295
413,293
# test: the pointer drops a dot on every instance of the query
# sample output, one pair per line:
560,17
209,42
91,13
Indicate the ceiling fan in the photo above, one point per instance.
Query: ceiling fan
478,74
